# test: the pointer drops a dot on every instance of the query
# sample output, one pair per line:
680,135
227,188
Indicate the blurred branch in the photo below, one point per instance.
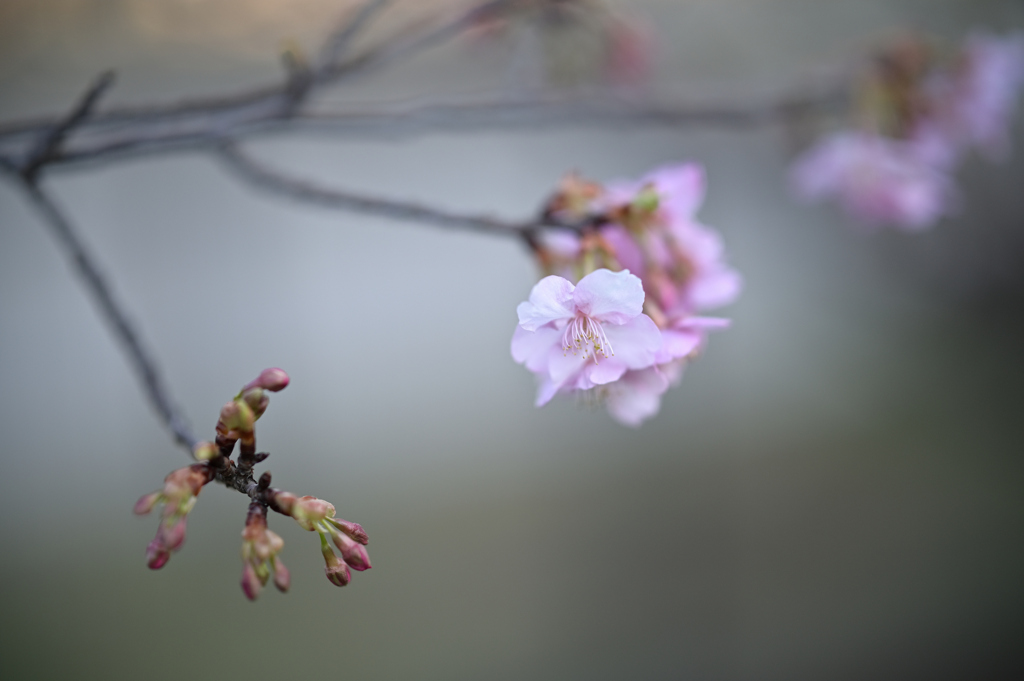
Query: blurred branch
263,177
96,283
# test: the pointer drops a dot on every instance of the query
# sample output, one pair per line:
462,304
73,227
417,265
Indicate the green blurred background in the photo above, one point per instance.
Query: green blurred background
834,492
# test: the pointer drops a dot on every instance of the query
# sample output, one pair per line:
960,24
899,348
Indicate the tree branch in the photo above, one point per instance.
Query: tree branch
259,175
115,315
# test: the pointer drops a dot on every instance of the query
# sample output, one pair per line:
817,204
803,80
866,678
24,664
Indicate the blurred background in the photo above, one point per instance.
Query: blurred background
834,491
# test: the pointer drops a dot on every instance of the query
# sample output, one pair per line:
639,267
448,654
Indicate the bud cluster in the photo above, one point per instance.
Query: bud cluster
317,515
178,497
260,546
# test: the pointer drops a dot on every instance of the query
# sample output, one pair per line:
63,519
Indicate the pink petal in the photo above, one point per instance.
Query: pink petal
613,297
637,396
550,300
636,342
532,347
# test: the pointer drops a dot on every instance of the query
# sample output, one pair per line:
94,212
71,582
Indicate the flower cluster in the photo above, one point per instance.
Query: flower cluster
260,546
317,515
919,115
645,268
178,496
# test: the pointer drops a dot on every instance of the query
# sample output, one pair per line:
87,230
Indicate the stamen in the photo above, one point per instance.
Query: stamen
586,334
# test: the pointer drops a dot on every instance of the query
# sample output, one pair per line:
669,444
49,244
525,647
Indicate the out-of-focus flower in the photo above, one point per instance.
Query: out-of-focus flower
876,179
181,487
578,337
918,114
972,104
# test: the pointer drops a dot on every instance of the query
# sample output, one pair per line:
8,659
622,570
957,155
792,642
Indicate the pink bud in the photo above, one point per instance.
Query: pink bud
270,379
354,530
352,553
282,577
336,570
156,555
174,536
250,582
146,503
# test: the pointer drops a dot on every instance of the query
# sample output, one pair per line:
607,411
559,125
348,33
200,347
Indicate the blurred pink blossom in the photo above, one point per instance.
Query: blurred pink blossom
973,105
876,179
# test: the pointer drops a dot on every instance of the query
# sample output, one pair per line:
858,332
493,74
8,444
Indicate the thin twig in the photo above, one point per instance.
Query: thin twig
260,175
113,312
343,37
50,144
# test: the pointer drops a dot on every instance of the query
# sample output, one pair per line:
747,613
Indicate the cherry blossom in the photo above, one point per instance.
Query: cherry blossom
877,180
578,337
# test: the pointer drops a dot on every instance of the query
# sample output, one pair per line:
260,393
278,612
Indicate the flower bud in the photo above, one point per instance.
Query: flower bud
282,576
204,451
146,503
257,401
173,536
270,379
282,502
156,555
336,570
353,554
250,582
308,511
237,415
354,530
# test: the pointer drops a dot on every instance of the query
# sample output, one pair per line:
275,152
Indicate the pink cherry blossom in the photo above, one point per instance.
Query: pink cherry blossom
876,179
680,261
973,105
578,337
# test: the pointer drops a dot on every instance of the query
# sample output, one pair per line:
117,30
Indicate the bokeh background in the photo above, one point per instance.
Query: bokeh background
834,492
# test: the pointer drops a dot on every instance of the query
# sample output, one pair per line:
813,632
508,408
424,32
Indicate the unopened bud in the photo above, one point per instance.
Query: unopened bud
146,503
174,536
282,502
204,451
270,379
282,577
257,401
353,554
156,555
250,582
237,415
354,530
335,569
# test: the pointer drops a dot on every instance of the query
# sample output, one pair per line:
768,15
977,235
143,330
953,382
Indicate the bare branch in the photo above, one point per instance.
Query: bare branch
50,144
343,37
259,175
113,312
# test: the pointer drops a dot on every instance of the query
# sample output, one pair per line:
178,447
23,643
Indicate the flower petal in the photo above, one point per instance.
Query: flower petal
636,342
613,297
550,300
637,396
532,347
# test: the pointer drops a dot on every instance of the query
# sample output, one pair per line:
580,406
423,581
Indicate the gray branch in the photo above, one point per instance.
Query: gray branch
97,286
262,176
